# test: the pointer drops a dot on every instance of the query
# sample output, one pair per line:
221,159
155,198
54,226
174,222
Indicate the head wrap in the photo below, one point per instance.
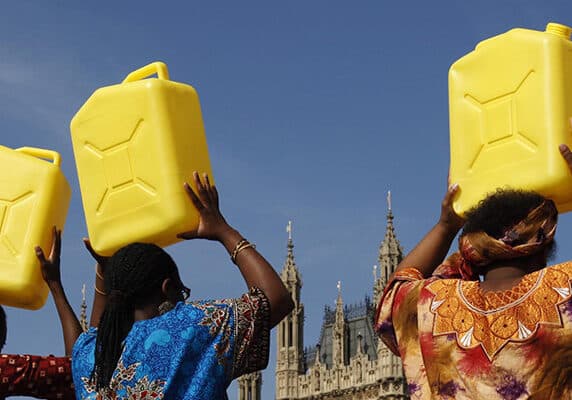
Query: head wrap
525,238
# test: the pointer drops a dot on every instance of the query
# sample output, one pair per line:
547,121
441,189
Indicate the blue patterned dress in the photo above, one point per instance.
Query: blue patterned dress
191,352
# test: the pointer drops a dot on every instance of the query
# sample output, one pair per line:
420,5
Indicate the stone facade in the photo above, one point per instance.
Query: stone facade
348,361
249,386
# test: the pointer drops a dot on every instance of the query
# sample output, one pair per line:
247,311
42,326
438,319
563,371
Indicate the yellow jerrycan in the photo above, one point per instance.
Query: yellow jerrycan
510,102
135,144
34,197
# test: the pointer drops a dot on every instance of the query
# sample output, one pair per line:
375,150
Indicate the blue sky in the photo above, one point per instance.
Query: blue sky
313,110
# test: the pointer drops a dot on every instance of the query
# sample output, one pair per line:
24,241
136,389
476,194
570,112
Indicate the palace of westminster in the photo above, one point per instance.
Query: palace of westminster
349,361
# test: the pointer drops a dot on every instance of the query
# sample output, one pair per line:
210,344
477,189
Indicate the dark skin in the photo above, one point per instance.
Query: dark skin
51,273
255,270
99,300
432,249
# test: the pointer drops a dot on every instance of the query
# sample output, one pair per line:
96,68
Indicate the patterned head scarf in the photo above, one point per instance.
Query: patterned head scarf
525,238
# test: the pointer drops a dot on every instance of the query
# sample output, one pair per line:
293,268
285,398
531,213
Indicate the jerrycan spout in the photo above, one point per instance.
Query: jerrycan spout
559,30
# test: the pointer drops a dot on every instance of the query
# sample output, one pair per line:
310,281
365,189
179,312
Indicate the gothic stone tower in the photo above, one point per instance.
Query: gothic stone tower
393,384
348,361
290,331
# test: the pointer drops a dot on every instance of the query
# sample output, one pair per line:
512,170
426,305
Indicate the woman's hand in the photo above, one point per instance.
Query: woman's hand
51,273
449,218
51,266
566,153
432,249
101,260
212,224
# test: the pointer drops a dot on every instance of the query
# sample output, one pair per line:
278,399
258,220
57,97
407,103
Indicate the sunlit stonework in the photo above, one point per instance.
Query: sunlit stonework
348,361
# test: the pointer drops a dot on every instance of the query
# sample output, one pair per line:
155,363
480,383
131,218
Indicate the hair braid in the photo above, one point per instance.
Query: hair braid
133,274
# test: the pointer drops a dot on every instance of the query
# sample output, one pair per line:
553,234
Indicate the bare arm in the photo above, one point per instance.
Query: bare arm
99,295
432,249
71,327
255,270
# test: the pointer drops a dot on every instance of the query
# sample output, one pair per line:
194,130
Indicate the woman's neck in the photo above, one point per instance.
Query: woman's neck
507,274
147,312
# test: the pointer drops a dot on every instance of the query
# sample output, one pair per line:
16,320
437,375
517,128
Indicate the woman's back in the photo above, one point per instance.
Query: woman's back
457,341
190,352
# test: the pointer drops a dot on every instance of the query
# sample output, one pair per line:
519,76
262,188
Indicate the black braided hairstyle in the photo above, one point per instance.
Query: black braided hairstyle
133,276
3,328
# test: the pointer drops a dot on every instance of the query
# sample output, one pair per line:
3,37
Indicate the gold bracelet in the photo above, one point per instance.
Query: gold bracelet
244,246
98,274
234,251
101,292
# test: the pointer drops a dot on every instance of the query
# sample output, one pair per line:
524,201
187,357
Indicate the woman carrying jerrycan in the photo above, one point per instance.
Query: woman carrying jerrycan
146,341
506,337
42,377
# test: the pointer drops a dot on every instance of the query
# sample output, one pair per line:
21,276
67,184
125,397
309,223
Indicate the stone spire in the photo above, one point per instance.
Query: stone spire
339,331
83,313
290,275
390,254
290,331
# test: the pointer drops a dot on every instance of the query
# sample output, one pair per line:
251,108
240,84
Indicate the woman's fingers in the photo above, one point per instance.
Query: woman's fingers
194,198
87,245
215,194
201,189
209,188
187,235
41,256
448,200
56,249
206,193
567,154
101,260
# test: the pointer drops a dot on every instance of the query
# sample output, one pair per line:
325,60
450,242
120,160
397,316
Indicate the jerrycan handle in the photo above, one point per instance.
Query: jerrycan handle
42,153
157,67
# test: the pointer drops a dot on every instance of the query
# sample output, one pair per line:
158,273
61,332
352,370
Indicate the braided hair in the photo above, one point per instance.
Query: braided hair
132,276
3,328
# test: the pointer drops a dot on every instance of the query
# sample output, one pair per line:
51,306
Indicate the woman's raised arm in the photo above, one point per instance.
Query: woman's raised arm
255,270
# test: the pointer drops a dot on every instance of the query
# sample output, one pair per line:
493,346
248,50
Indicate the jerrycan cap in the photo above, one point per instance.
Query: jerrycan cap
559,30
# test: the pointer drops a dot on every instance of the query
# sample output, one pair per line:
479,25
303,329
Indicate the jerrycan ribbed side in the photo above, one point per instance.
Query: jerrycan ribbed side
510,101
135,144
34,197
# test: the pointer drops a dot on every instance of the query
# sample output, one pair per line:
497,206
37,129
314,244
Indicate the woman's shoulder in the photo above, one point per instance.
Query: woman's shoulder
184,314
85,338
559,275
563,266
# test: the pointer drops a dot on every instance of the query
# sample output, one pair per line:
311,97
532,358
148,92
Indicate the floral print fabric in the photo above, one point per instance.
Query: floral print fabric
458,342
191,352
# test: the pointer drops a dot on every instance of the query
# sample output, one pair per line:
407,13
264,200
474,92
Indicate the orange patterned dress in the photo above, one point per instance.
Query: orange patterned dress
458,342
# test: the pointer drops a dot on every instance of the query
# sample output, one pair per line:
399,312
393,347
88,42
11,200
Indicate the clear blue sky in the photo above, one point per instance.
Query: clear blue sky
313,110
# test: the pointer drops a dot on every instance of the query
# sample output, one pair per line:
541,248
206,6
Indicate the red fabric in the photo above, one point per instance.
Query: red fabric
41,377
